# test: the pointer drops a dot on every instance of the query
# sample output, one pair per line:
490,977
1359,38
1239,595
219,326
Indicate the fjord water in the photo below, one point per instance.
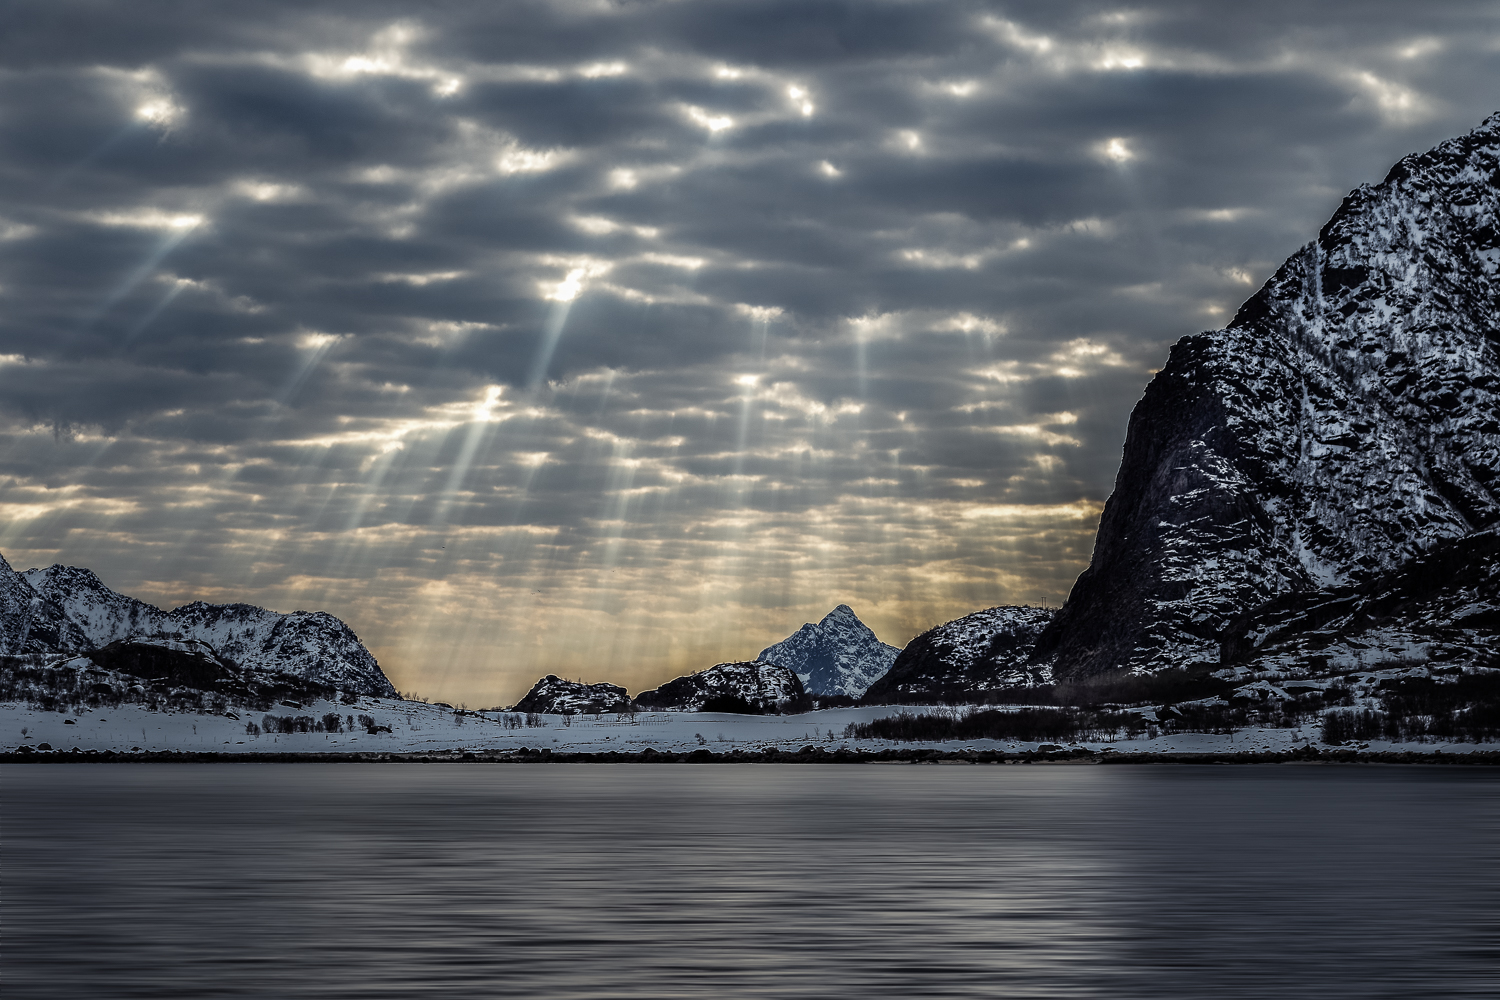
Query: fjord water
583,881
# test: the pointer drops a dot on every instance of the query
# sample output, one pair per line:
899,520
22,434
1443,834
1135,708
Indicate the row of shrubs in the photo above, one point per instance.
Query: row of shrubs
515,720
1027,725
330,722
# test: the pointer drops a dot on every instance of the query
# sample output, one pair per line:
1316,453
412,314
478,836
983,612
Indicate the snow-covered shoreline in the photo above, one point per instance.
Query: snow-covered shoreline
418,728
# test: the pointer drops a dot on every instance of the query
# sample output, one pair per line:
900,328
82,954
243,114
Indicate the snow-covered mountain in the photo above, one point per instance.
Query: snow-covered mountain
103,615
838,655
64,609
310,644
1344,424
30,622
727,687
965,659
552,695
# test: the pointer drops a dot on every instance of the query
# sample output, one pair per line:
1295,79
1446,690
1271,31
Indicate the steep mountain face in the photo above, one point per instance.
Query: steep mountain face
838,655
554,696
30,622
966,659
727,687
64,609
1346,422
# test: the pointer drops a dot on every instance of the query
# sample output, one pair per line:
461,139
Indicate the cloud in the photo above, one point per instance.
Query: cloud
618,339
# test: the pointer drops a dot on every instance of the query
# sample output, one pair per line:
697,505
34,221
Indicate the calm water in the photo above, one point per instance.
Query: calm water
265,880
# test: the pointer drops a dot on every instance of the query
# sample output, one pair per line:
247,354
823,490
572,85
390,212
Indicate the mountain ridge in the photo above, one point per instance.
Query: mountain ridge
69,610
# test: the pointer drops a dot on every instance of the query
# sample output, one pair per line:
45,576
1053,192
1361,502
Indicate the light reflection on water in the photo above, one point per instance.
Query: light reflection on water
349,880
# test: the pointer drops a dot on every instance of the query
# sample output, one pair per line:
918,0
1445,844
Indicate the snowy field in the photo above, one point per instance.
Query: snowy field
417,727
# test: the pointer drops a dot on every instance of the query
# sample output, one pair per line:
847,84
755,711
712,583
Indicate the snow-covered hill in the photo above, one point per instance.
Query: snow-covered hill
1346,422
310,644
966,659
838,655
727,687
67,610
552,695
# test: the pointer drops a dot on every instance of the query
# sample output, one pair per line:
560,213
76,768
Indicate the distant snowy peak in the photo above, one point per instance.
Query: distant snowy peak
552,695
838,655
727,687
965,659
1345,422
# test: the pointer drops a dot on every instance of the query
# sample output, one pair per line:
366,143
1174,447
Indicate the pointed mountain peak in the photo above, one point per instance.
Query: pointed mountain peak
842,613
838,655
70,575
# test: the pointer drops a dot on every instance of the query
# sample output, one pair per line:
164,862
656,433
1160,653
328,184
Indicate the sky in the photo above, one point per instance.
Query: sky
618,339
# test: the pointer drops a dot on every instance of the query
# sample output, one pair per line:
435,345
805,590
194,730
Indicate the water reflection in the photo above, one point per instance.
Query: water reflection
736,881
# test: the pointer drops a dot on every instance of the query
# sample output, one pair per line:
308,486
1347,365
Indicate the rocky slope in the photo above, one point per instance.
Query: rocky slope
749,686
1440,611
838,655
966,659
64,609
30,622
1344,424
103,615
554,696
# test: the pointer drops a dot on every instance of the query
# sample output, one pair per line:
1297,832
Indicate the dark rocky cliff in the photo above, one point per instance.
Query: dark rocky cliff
1344,424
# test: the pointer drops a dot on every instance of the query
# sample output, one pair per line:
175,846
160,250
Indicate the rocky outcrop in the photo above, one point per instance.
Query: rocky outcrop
838,655
554,696
747,687
967,659
1346,423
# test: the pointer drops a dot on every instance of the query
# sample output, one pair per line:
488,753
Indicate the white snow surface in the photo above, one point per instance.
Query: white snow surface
419,727
838,655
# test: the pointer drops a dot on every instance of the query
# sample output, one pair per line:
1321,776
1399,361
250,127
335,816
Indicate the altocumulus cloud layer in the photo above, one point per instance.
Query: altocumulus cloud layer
615,339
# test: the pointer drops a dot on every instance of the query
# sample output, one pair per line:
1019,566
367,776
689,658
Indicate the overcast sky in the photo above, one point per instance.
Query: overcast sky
619,339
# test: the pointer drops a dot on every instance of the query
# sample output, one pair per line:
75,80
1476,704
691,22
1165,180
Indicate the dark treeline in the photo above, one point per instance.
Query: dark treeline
1027,725
1167,687
1466,708
73,684
329,722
